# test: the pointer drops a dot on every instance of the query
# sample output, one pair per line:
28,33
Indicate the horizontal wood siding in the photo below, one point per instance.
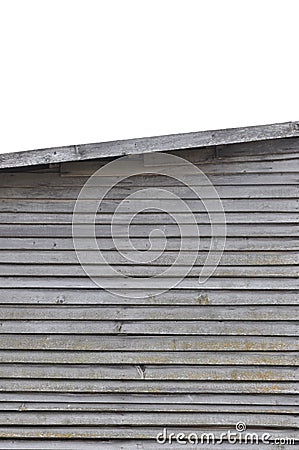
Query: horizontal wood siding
82,368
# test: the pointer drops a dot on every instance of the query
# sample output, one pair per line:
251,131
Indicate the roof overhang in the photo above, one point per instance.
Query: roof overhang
148,145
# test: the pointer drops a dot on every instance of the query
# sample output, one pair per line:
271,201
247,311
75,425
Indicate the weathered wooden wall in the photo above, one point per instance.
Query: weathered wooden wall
82,368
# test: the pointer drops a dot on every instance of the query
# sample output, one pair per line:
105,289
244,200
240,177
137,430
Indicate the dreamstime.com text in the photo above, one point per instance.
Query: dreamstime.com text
237,436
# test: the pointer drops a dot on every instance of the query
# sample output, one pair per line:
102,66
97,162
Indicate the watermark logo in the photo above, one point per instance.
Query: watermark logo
237,436
241,426
103,269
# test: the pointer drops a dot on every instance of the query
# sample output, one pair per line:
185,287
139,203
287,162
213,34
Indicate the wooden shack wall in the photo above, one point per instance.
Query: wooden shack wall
82,368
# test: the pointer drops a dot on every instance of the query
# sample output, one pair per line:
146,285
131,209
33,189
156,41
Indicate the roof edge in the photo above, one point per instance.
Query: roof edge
149,144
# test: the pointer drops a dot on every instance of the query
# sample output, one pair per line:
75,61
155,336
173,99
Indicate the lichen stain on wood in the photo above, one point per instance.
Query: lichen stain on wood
203,300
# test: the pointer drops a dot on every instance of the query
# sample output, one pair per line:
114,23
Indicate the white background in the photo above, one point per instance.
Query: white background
78,71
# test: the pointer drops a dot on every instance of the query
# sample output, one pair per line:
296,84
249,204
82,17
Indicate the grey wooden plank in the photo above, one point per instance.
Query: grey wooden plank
237,399
116,445
148,386
158,313
268,150
251,156
179,357
252,328
146,285
148,343
145,145
67,206
115,433
274,146
155,372
148,218
229,258
184,192
174,297
146,407
211,162
143,231
25,179
255,165
232,244
149,419
160,272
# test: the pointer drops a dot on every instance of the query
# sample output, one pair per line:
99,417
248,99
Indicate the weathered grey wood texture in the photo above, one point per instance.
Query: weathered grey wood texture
83,368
